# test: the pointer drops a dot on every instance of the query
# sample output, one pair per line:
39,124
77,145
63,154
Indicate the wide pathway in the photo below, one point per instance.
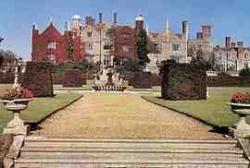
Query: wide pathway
127,116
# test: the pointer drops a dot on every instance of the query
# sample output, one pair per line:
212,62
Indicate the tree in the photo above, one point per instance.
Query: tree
245,72
141,44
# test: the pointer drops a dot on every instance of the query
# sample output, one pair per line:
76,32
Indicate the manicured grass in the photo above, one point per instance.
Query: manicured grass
213,111
38,109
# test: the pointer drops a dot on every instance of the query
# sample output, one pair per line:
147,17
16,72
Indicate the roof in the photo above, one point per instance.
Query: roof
76,17
139,18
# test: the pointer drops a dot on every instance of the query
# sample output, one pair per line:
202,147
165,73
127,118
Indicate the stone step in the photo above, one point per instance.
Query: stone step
127,156
71,163
46,144
80,139
129,150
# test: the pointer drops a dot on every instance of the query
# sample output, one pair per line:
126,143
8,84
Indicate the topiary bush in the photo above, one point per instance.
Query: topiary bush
38,79
245,72
183,81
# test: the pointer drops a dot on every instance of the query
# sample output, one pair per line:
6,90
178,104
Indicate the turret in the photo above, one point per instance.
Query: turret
76,19
139,23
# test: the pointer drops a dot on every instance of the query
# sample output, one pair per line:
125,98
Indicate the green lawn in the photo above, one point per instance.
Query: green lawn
38,108
213,110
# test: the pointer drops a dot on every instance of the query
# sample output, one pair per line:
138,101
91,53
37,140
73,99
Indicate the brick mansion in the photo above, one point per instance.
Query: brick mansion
96,41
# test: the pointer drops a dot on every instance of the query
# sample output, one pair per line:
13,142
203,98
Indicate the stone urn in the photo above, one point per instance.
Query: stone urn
242,127
16,125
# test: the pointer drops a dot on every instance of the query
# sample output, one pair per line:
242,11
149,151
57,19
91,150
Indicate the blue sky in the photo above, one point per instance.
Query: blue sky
228,17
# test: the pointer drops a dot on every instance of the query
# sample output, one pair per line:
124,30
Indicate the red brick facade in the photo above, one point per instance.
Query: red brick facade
54,47
125,44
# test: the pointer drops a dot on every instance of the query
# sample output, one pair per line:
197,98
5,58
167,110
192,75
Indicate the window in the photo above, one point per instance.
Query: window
52,45
125,36
89,47
176,47
52,57
125,48
89,34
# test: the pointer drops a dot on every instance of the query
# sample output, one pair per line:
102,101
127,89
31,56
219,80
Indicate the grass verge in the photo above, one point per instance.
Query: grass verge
213,111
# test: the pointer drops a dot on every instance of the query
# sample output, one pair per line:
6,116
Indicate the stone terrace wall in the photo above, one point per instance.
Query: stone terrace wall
5,143
38,79
183,81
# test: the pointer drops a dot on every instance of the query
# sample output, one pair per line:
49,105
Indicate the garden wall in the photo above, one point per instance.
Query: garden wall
38,79
5,143
6,78
183,81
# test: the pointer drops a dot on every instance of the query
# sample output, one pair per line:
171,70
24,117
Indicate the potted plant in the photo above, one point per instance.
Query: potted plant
16,100
240,105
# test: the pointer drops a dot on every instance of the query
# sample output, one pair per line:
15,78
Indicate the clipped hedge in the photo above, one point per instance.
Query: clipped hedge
72,78
142,80
183,81
6,78
38,79
228,81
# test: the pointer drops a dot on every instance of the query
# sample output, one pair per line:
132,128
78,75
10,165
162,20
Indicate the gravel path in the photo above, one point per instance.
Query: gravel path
103,115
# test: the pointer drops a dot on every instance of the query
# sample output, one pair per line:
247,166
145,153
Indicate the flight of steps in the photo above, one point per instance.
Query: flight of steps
41,152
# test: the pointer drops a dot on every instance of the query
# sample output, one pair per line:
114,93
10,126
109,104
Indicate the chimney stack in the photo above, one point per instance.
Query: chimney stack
185,29
89,20
199,35
228,42
240,44
100,17
233,44
114,18
206,32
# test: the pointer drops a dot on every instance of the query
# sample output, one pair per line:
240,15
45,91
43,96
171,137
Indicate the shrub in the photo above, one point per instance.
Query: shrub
245,72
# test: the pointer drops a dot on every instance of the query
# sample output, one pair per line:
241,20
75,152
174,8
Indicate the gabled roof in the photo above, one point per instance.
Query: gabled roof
51,29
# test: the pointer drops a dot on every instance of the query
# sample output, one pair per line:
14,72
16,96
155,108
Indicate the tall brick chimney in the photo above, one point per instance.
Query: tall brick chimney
227,42
240,44
185,29
199,35
114,18
206,32
35,37
89,20
100,17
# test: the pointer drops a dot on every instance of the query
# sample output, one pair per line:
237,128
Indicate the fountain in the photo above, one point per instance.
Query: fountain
109,80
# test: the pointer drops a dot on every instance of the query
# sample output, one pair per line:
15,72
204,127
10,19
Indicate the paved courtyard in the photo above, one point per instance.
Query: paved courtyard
110,115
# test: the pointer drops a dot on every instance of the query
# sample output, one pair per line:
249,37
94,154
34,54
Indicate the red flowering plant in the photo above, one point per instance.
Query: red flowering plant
241,97
16,93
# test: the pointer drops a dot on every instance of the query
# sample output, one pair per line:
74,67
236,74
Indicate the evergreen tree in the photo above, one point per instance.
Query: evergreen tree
141,44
